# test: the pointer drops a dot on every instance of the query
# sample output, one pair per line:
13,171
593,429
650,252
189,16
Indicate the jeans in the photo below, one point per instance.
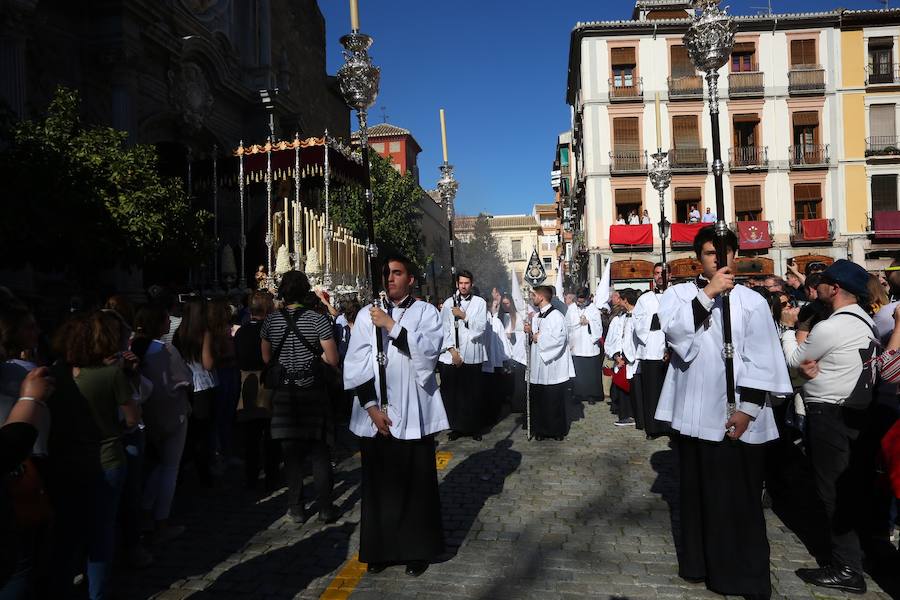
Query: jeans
295,453
159,490
135,444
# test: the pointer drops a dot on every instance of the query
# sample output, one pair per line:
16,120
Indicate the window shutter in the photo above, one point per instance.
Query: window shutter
747,199
744,48
803,52
628,196
806,118
681,62
804,192
881,120
884,192
687,194
625,133
881,42
622,56
684,131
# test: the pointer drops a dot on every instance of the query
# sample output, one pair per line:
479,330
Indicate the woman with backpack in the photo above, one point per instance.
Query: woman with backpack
296,340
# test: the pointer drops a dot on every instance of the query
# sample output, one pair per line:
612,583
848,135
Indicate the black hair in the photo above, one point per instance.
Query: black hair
629,295
812,280
465,273
660,265
708,234
407,264
294,287
584,293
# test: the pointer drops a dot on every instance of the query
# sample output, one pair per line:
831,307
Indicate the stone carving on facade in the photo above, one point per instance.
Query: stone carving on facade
190,95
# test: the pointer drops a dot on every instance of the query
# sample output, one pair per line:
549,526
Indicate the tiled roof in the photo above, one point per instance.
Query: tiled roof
383,130
545,208
463,223
738,18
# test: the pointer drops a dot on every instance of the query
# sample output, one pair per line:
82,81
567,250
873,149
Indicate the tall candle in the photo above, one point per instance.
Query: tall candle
287,226
444,134
658,125
354,15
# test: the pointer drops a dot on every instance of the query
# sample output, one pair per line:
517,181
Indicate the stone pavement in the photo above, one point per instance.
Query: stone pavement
590,517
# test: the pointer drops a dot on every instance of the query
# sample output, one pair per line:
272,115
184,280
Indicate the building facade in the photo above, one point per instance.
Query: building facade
807,115
517,237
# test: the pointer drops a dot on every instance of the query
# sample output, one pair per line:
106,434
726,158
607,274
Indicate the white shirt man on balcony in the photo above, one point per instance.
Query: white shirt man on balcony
708,217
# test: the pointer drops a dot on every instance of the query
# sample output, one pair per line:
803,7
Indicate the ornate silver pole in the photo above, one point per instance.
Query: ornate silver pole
269,240
242,241
298,225
709,42
660,177
215,195
358,79
326,280
447,187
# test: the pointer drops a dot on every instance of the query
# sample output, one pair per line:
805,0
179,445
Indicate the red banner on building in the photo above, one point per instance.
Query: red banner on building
631,235
684,233
815,229
754,235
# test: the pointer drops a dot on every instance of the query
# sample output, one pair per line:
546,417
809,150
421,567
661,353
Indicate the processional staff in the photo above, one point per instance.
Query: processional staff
447,187
358,79
709,42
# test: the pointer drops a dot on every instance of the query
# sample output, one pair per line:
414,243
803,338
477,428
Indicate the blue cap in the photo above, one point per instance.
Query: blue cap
849,276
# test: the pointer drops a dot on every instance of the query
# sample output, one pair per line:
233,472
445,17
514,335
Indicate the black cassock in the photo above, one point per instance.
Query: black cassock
646,386
462,392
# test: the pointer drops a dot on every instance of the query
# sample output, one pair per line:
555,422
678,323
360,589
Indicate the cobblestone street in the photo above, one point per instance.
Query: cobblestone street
590,517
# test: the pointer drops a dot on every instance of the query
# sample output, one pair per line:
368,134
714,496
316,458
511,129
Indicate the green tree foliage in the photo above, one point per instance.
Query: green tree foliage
397,214
481,255
80,198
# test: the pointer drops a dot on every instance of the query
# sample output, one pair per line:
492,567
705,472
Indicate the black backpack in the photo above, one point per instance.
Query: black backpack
864,390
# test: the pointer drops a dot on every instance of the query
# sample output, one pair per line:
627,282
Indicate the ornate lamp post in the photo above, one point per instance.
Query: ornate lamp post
326,280
709,42
358,79
660,177
447,187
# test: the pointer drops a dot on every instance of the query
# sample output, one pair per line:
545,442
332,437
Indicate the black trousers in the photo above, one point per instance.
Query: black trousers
646,386
260,450
548,410
295,453
621,403
462,392
722,528
843,452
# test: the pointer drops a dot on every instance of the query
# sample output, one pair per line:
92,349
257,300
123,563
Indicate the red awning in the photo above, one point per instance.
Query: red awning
815,229
631,235
886,223
754,235
684,233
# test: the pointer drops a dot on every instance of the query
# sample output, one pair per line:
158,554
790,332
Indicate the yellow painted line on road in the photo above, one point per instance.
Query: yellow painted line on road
345,581
348,577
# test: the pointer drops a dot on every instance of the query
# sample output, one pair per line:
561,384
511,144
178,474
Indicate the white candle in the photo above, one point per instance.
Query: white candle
658,125
354,15
444,134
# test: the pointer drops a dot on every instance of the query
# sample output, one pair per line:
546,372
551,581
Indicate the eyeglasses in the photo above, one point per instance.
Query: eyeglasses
785,304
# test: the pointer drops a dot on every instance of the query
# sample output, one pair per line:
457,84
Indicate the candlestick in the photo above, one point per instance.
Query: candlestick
287,226
444,134
354,15
658,125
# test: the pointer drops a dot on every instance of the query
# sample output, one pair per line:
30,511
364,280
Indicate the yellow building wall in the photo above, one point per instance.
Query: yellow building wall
853,59
856,198
854,126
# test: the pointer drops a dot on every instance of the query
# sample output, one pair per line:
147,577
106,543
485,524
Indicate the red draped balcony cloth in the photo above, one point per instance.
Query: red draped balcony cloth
631,235
886,224
815,229
684,233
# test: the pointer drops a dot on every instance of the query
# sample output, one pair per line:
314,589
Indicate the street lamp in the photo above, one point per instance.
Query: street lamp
709,42
267,97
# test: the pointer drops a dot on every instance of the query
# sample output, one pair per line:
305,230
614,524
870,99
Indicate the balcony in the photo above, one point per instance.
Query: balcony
630,238
809,156
883,75
806,79
626,162
745,84
687,159
626,93
748,158
686,88
883,146
812,232
885,224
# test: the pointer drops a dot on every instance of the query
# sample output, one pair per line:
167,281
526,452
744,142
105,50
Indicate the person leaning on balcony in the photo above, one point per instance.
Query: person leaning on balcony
633,218
645,220
694,215
708,217
620,220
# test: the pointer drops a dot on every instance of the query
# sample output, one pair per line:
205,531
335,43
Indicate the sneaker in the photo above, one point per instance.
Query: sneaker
629,422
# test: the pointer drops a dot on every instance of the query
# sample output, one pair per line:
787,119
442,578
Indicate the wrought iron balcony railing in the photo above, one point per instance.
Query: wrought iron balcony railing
883,74
748,157
627,161
688,87
619,92
883,145
809,155
806,79
812,231
748,83
687,159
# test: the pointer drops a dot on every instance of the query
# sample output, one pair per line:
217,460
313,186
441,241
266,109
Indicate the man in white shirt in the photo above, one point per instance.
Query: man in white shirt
633,218
694,215
551,367
464,317
620,220
401,508
585,331
839,436
645,219
650,352
721,456
708,217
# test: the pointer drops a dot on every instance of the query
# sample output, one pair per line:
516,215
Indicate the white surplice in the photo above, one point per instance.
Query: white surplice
515,336
551,361
620,340
414,399
471,330
649,344
693,397
583,338
496,344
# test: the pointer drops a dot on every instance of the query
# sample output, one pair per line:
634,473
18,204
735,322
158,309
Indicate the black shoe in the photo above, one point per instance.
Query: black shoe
836,577
414,569
297,515
376,567
693,579
477,438
560,438
329,514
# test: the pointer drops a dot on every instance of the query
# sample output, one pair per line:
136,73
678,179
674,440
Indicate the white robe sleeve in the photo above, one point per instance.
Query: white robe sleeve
643,320
449,339
553,339
476,320
676,319
424,343
612,346
358,361
764,367
596,320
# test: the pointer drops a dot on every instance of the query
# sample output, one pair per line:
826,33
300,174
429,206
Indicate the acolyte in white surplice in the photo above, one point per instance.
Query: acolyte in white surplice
515,333
551,361
620,340
414,400
497,345
583,338
649,341
471,330
693,398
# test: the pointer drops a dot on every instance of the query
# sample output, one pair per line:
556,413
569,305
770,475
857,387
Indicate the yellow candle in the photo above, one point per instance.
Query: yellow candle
658,125
444,134
354,15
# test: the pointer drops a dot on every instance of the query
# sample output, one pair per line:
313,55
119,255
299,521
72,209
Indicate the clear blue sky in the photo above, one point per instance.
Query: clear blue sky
498,67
